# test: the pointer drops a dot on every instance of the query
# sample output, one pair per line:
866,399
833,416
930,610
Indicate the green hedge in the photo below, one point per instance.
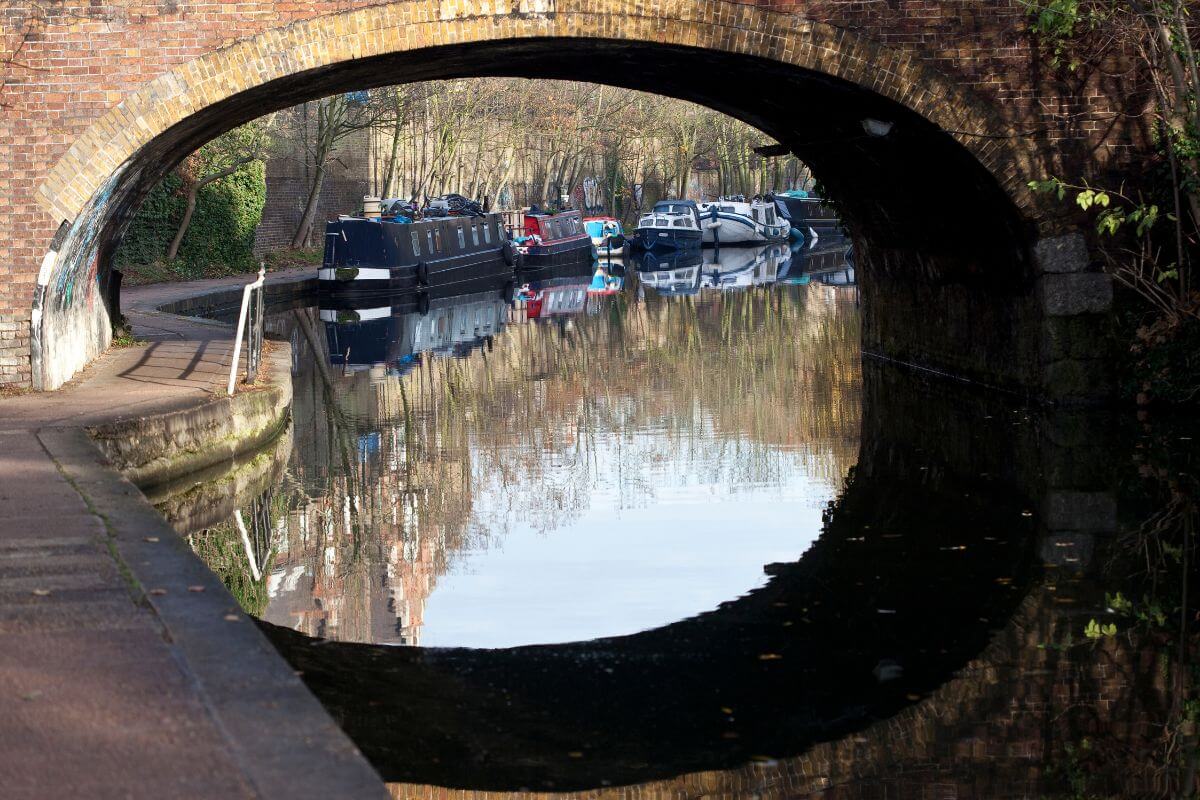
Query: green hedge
221,236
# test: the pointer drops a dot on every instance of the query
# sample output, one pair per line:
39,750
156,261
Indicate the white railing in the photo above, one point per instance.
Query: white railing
252,309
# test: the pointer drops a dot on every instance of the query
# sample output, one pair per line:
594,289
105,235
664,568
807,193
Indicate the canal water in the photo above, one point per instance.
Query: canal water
676,537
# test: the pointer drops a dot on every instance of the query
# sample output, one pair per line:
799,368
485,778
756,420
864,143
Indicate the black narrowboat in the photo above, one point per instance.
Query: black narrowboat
549,241
371,256
812,219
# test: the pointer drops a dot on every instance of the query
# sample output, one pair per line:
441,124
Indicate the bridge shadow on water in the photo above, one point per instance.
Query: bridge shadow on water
934,544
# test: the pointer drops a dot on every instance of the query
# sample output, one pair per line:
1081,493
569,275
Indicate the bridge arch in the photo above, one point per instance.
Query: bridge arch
948,149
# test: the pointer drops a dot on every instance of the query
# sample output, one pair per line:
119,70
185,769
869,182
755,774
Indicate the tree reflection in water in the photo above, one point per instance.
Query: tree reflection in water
935,635
400,472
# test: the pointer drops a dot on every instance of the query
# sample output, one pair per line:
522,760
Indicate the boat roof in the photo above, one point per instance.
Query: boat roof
691,203
540,213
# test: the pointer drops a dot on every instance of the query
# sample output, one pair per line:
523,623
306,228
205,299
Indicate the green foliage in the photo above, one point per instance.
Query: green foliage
1057,23
1075,771
1096,630
221,548
1111,218
221,235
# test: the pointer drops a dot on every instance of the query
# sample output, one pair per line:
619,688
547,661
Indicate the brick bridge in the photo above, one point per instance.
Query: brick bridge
962,269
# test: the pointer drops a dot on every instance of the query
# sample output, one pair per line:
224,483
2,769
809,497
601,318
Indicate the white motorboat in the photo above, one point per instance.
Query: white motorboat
735,221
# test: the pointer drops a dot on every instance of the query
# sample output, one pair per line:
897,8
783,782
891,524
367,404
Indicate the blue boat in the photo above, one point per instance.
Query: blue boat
672,225
607,236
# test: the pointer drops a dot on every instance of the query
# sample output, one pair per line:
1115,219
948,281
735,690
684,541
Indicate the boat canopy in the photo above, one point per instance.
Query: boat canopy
601,226
675,206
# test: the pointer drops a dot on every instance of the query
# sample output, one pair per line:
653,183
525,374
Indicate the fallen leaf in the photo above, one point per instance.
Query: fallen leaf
41,592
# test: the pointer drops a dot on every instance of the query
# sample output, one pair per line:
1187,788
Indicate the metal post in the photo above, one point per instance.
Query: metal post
241,326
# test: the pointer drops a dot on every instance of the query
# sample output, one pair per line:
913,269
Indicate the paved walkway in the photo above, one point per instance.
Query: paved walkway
126,670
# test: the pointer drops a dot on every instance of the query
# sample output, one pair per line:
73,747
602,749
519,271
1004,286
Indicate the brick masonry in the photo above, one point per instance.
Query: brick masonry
94,96
342,191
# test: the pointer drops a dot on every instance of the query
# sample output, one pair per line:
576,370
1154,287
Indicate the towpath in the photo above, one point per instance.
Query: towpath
126,669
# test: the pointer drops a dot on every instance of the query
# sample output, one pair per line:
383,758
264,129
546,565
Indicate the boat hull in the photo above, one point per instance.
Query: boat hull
456,274
364,257
557,254
667,239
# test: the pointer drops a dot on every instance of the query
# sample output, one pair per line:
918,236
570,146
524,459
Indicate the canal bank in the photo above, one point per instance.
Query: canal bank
122,655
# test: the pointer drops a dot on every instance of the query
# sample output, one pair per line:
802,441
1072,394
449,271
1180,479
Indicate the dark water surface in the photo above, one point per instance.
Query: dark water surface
681,539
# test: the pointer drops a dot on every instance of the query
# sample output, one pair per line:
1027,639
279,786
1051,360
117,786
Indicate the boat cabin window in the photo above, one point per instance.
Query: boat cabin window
429,240
437,239
487,232
757,214
729,209
475,234
462,237
681,222
416,241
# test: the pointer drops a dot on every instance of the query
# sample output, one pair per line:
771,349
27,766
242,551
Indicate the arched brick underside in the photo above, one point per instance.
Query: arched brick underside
717,25
941,201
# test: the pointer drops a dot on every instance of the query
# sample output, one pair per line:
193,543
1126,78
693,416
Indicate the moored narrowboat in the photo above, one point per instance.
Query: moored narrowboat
553,240
369,256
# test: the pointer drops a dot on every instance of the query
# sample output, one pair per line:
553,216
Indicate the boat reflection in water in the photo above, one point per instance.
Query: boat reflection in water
393,337
559,292
735,268
730,268
670,273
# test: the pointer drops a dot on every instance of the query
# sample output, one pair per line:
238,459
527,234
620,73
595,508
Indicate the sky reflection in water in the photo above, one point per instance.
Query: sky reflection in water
617,464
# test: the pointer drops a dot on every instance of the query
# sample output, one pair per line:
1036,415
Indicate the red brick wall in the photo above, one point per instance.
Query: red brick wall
346,182
65,63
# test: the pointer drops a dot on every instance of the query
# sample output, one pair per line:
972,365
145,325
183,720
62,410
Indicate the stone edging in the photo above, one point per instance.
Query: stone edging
284,741
170,445
163,447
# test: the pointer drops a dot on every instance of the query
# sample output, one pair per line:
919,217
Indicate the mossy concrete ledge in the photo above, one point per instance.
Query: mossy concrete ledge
170,445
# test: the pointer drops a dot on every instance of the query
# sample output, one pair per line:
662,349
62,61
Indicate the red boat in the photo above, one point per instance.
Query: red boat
554,240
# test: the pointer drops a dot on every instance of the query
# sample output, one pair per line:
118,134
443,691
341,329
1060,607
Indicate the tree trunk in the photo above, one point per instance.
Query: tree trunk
193,193
173,250
300,239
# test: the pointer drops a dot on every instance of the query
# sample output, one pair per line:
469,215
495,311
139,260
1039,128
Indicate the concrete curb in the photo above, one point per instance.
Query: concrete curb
167,446
164,447
285,742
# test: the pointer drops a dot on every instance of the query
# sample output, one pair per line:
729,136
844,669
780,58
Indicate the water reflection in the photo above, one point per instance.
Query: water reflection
930,630
634,463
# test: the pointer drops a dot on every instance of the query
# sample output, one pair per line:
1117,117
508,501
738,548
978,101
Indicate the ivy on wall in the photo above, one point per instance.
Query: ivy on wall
221,235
